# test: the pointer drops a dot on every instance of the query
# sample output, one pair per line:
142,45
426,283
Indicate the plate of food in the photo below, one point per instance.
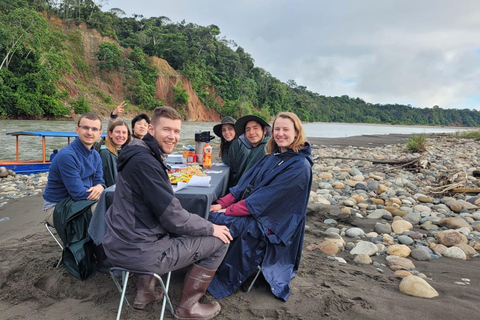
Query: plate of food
185,174
176,177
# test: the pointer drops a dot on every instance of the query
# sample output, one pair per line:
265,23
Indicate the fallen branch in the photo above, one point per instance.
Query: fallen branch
466,190
380,161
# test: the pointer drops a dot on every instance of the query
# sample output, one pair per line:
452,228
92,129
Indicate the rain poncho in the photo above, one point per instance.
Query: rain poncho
272,236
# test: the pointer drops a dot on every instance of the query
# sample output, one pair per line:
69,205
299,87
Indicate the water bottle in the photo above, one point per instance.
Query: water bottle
5,219
207,156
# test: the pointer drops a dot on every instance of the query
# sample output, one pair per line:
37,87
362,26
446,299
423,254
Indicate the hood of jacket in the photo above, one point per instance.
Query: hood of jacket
248,144
305,152
148,145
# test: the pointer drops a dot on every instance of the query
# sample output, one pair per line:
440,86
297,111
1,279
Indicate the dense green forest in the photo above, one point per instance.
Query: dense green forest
32,60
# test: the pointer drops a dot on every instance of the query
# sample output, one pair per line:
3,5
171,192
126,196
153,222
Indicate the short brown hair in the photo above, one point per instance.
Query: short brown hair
89,116
299,141
165,112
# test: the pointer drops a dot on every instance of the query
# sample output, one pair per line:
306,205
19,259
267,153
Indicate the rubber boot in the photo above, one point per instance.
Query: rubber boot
146,291
194,286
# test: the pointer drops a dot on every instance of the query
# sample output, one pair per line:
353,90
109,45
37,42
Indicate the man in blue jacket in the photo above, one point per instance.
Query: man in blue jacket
147,229
76,171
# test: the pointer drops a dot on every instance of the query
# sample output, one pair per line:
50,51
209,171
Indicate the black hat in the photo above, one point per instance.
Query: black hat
217,129
242,122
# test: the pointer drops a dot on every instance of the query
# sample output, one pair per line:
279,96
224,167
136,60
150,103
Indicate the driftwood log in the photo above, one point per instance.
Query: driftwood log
415,162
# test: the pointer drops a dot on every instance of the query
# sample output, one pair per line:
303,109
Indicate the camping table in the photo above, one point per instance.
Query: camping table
198,199
193,199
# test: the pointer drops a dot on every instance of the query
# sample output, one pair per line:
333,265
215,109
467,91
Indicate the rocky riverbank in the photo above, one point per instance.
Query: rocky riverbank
405,216
16,186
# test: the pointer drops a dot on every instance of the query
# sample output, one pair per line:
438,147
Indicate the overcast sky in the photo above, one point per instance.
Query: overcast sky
422,53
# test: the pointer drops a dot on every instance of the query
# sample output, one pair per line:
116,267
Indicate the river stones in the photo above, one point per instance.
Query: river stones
364,247
450,238
363,259
400,264
400,226
455,253
383,228
416,286
420,255
455,223
399,250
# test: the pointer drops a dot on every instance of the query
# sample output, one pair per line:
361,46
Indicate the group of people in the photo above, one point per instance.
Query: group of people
258,224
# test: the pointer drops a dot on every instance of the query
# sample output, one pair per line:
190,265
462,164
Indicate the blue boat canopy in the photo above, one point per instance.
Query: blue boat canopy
60,134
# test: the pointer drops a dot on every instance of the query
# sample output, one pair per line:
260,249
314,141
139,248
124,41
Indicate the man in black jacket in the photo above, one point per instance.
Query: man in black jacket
147,228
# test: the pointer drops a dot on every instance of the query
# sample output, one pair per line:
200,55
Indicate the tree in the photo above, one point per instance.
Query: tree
109,56
21,31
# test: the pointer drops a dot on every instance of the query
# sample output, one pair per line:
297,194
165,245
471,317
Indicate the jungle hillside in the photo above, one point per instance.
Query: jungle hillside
65,57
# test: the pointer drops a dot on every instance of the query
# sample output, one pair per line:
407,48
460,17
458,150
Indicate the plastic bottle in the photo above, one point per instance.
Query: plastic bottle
191,156
186,153
207,156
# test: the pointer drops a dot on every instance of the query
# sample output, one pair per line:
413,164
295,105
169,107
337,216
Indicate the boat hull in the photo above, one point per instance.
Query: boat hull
27,168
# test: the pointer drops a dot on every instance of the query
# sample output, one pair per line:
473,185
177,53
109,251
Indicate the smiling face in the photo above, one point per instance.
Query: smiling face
254,132
228,132
118,135
140,128
166,132
284,133
89,137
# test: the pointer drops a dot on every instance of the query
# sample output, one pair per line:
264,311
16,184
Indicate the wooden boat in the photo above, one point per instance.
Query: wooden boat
34,166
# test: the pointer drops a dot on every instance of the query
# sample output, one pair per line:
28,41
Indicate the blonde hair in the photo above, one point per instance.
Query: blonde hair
108,141
299,141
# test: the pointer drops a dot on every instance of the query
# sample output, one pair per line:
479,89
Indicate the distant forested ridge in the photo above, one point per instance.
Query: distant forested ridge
33,59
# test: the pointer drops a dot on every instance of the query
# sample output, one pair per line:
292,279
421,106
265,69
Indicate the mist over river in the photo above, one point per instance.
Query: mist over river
31,147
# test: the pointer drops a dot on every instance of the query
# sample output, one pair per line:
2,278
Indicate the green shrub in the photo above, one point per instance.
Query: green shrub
416,143
180,96
470,135
52,107
109,56
80,106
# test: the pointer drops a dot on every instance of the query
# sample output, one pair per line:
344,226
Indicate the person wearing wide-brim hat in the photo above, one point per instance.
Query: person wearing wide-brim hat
253,133
225,130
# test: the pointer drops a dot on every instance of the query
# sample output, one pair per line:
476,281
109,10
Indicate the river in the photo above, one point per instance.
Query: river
31,147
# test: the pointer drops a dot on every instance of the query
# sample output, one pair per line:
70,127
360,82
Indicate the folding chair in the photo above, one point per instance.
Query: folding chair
123,288
259,269
48,226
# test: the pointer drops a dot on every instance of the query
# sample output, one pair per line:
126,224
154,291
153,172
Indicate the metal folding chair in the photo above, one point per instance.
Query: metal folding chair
259,269
125,273
48,226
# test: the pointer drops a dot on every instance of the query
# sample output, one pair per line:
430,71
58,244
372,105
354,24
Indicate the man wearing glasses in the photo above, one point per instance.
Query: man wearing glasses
76,171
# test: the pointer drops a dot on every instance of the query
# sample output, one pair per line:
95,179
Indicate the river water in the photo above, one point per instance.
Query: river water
31,147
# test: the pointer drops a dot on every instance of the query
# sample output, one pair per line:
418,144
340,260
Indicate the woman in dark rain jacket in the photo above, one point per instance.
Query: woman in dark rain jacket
266,213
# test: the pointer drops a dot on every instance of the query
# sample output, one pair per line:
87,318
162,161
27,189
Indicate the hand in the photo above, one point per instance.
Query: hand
120,108
215,207
222,233
95,192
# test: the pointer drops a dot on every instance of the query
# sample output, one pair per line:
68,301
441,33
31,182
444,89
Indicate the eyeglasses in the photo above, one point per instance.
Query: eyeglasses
86,128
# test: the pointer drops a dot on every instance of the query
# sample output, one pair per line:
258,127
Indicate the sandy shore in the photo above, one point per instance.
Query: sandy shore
31,288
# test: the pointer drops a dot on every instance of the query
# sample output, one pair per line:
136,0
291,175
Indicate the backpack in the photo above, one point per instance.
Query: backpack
71,220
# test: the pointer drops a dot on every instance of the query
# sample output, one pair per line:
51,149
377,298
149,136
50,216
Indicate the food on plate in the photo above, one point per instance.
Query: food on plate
184,174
